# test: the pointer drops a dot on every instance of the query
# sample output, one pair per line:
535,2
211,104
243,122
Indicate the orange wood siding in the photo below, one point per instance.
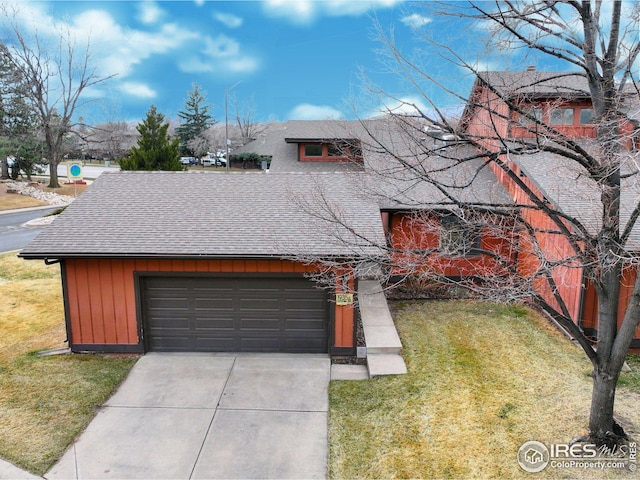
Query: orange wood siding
410,235
590,302
101,295
488,123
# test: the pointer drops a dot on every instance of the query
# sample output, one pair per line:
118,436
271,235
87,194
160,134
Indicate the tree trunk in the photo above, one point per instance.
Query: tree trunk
4,168
602,427
52,152
53,175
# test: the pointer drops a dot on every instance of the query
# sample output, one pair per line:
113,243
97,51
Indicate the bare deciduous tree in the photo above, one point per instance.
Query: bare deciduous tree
57,74
245,114
582,231
110,140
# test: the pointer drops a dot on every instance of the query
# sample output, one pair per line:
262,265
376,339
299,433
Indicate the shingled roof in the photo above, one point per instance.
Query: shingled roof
567,186
208,215
534,84
279,142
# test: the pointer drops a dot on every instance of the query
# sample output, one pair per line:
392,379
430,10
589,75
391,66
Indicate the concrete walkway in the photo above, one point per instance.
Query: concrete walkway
381,338
209,416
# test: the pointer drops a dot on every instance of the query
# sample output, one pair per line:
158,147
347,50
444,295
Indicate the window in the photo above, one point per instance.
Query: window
458,238
561,116
586,116
532,112
313,150
339,151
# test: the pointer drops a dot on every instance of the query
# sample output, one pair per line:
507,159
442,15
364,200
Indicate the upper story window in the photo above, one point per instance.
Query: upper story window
313,150
341,151
561,116
533,113
586,116
572,120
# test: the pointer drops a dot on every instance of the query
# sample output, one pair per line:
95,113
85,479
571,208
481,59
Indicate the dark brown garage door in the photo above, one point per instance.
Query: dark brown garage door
234,314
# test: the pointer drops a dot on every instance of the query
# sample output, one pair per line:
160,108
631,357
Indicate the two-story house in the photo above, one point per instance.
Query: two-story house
529,117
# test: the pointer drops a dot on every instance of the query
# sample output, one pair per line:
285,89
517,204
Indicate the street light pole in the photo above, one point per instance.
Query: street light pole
226,121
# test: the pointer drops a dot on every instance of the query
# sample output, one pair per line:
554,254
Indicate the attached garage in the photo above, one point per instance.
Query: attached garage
203,262
234,314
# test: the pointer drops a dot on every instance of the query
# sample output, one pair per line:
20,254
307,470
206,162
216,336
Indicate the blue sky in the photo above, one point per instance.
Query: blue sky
294,59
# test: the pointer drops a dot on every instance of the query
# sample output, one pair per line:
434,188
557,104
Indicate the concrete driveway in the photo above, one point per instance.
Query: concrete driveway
209,416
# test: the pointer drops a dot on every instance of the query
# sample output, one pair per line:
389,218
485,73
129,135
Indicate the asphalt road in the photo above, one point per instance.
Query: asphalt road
90,172
14,235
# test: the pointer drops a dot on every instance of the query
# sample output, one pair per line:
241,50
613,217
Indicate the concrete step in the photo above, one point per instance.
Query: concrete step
379,330
385,364
382,339
349,372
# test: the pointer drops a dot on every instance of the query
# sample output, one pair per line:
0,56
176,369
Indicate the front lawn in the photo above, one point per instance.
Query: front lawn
483,379
45,402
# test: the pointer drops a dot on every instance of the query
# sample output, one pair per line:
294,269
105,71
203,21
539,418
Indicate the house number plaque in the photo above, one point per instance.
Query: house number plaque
344,299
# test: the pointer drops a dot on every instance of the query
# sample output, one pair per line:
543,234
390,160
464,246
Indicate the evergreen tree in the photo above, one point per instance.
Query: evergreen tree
18,124
155,149
195,121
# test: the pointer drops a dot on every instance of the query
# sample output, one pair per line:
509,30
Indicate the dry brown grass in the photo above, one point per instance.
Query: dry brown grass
71,190
44,401
483,379
10,201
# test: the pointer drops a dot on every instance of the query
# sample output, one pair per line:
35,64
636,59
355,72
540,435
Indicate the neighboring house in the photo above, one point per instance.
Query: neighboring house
309,146
561,100
199,261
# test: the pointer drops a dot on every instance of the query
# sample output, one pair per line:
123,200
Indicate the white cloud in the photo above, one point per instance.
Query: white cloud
304,12
415,21
306,111
149,12
402,106
228,19
242,65
221,46
219,54
199,2
298,11
137,89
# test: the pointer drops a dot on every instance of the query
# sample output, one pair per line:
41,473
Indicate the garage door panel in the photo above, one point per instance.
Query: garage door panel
261,344
168,303
215,344
222,305
170,343
214,324
258,305
301,345
234,314
305,325
263,324
160,323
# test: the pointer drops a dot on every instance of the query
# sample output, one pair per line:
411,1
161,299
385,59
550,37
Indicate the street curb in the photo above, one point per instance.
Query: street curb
30,209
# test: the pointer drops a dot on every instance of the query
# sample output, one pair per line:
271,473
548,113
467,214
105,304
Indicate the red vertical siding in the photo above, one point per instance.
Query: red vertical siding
412,234
101,295
568,279
590,303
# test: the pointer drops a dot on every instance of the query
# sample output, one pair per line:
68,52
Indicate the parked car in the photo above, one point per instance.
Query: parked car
214,159
188,160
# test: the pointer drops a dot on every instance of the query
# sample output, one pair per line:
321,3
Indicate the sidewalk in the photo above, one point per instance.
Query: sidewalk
8,471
